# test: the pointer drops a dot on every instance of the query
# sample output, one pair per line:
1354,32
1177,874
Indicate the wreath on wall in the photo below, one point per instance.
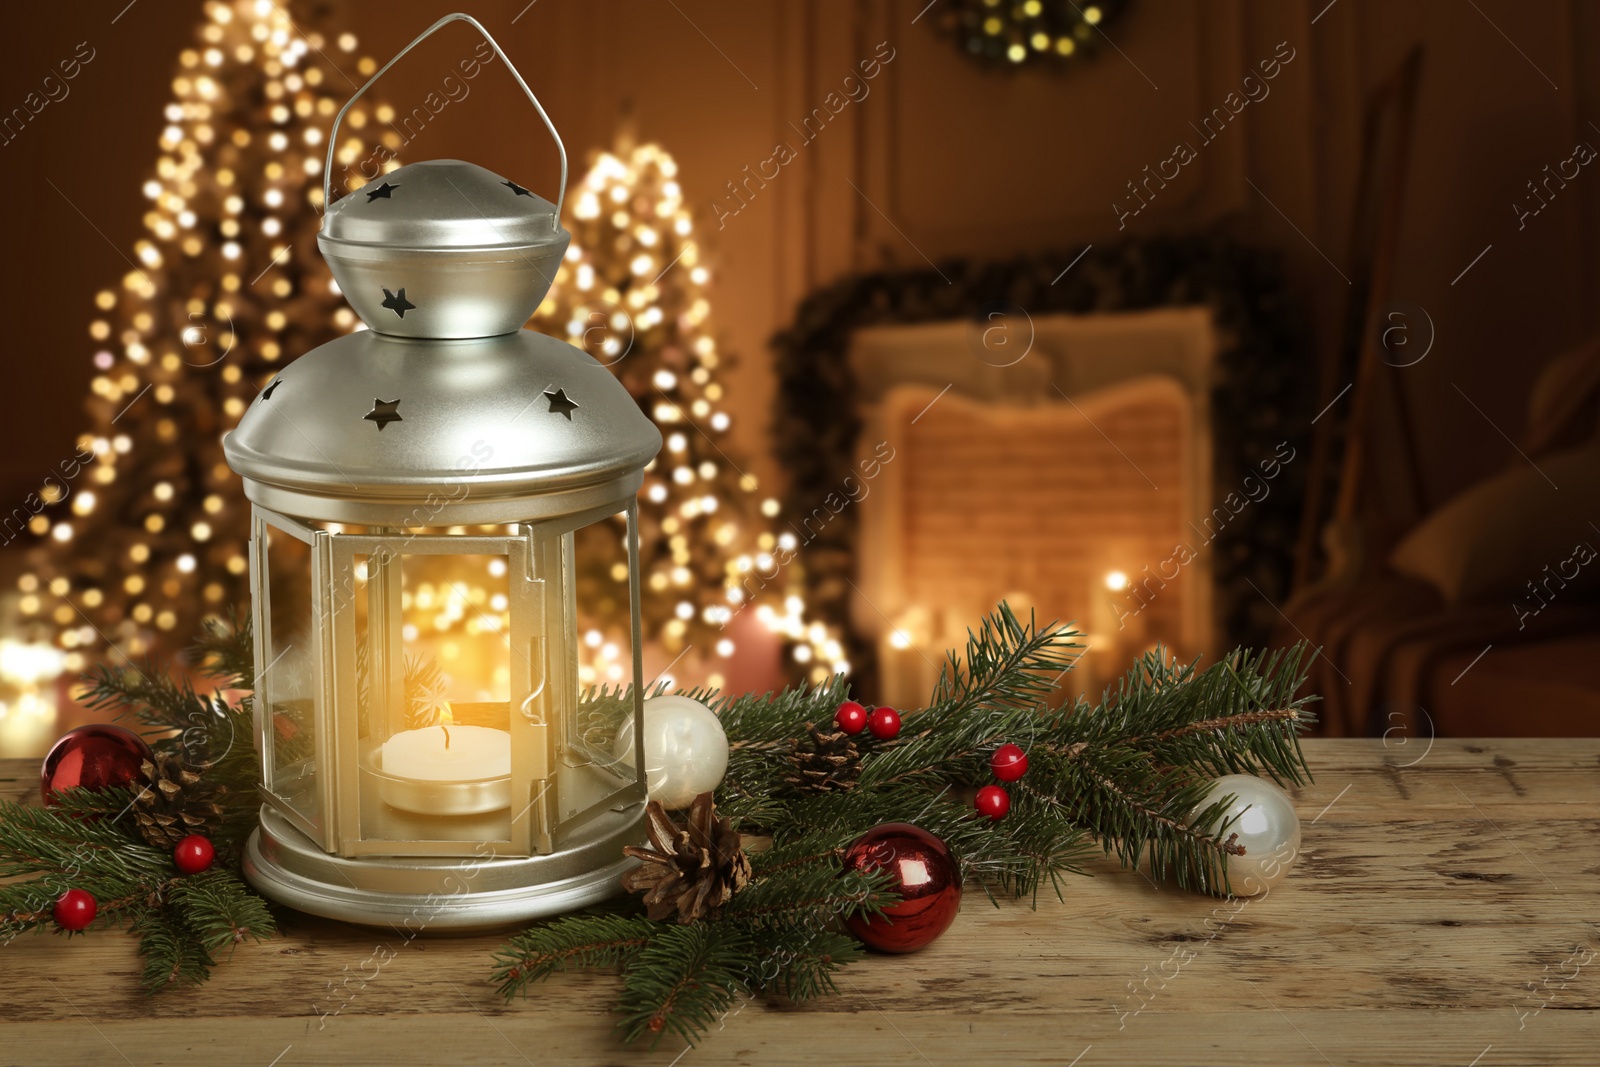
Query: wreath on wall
1033,33
1263,396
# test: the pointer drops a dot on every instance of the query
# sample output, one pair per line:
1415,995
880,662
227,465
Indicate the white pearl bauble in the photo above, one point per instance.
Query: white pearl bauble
685,749
1264,819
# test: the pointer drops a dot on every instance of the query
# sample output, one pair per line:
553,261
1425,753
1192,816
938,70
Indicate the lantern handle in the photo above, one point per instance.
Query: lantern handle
459,16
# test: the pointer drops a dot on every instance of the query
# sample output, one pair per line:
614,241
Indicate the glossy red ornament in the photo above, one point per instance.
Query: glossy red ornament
75,909
993,802
1009,763
98,756
851,717
926,877
884,724
193,854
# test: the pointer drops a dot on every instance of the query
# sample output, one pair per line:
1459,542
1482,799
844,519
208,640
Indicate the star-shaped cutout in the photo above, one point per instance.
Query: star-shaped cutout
397,302
266,394
383,413
560,405
381,191
515,188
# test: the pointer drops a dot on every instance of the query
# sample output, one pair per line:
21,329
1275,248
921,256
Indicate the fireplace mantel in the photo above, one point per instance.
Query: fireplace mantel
1260,403
1078,353
1126,397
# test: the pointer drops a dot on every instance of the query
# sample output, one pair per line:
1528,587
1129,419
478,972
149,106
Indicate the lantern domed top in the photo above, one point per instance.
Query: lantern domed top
443,249
396,432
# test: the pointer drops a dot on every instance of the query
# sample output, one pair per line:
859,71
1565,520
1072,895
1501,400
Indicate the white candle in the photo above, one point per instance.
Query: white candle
448,754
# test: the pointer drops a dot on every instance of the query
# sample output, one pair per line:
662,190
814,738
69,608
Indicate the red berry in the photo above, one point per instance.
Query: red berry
75,909
851,717
993,802
1009,763
193,854
884,724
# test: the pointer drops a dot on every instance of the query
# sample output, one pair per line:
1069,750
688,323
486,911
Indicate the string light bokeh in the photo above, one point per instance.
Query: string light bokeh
145,531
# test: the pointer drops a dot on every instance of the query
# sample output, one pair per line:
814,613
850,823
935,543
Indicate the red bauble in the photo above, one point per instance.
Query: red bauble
993,802
851,717
75,909
93,757
926,877
1009,763
884,724
193,854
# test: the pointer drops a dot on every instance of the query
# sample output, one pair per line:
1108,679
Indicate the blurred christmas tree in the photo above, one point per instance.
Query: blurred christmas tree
632,293
151,534
148,535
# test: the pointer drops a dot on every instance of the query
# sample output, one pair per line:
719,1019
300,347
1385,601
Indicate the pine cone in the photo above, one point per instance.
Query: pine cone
825,763
179,801
692,869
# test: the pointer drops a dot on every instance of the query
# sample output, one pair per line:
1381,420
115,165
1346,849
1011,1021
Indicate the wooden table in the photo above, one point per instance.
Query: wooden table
1443,912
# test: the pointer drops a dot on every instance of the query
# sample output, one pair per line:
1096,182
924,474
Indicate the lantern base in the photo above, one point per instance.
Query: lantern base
433,895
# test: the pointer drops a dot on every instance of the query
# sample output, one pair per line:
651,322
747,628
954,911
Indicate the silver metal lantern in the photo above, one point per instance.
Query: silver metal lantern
427,755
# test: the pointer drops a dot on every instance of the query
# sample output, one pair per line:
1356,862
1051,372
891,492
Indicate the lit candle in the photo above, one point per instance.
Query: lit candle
448,754
1106,636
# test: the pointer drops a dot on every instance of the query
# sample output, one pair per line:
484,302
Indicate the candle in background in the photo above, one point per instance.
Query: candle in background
1128,612
1109,617
1102,635
903,677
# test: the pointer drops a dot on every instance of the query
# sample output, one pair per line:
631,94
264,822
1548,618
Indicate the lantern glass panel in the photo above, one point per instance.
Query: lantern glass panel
289,683
432,682
601,663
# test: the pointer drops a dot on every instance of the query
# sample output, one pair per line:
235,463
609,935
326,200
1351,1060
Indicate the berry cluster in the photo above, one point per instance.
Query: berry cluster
1008,763
76,908
882,723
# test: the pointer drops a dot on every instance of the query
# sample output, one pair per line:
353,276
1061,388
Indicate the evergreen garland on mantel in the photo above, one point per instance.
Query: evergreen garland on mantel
1127,776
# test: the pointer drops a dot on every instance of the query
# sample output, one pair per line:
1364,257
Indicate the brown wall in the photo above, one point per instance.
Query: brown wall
947,160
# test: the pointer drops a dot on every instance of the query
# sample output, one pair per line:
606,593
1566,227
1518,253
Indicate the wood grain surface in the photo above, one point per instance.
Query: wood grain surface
1444,912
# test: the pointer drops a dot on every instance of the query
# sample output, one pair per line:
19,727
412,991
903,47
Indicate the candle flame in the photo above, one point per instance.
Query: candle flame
447,714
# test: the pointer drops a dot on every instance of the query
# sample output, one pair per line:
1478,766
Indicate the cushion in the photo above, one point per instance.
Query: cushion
1562,405
1494,539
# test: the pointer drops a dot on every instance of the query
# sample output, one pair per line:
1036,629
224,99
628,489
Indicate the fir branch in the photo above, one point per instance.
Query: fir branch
220,909
172,953
1141,811
74,838
777,861
87,839
799,962
30,905
75,845
684,979
155,698
575,942
1007,663
225,650
811,895
1133,774
1228,722
761,722
1240,715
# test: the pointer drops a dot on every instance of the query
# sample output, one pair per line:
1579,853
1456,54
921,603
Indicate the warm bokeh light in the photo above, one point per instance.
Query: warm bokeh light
229,283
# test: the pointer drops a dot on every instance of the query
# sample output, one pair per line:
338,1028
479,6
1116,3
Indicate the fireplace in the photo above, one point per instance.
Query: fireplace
1187,353
1058,475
